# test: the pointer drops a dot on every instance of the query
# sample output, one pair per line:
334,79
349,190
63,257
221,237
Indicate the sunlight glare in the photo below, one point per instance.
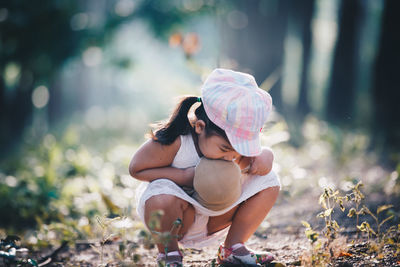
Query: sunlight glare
124,223
83,221
128,181
286,181
298,173
128,193
325,182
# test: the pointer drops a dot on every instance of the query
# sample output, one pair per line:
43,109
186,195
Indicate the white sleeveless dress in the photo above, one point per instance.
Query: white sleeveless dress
186,157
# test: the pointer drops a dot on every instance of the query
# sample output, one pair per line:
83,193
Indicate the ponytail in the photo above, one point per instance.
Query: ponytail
177,125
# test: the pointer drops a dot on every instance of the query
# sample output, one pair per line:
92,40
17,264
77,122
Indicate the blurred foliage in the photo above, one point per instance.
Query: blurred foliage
329,157
60,177
83,172
37,40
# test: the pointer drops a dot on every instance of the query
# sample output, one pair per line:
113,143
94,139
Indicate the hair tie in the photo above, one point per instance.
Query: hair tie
199,99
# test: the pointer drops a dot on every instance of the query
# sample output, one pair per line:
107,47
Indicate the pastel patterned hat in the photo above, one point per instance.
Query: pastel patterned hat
235,103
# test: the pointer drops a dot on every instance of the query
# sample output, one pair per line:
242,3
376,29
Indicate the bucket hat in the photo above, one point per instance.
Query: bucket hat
217,183
234,102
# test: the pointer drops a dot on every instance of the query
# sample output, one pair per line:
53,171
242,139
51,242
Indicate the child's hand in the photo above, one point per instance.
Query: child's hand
262,164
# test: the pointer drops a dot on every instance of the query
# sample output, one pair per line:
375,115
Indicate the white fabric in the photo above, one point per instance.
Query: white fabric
186,157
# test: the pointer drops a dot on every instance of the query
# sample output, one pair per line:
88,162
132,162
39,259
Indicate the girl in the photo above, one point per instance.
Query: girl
230,116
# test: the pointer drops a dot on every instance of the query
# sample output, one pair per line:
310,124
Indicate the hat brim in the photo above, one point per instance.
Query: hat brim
245,147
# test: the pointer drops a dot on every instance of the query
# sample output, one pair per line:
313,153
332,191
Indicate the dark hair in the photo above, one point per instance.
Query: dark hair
179,124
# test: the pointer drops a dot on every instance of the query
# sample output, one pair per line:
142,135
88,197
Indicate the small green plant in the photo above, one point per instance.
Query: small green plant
381,239
356,196
365,227
328,200
104,224
377,239
318,256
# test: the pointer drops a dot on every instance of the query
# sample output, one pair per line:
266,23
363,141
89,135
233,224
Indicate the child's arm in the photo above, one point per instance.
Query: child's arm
260,165
153,161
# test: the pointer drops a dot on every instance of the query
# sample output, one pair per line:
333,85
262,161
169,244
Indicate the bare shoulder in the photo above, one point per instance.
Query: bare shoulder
156,147
153,154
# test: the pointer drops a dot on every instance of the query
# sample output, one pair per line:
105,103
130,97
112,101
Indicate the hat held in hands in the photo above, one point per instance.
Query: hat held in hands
217,183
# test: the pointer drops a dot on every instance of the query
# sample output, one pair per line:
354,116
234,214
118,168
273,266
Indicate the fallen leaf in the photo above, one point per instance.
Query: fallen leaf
345,254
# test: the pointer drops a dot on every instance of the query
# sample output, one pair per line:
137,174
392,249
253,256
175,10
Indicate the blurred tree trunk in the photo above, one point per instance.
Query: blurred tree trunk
306,9
297,59
386,92
258,47
15,111
3,114
341,92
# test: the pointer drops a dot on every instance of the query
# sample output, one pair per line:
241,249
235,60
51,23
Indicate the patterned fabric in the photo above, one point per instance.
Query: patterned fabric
242,255
233,101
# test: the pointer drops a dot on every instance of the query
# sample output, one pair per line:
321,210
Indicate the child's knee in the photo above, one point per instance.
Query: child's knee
166,202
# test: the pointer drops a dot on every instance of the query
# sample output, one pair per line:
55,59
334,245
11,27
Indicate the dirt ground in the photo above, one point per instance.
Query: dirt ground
282,234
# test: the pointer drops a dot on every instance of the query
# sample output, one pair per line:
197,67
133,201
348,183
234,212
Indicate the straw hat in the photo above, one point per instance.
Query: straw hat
217,183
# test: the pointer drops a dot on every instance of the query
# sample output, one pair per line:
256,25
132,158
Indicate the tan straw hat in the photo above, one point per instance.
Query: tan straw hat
217,183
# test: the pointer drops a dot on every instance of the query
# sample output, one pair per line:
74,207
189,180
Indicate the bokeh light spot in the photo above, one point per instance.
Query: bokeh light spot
11,181
192,5
92,56
12,73
40,96
124,8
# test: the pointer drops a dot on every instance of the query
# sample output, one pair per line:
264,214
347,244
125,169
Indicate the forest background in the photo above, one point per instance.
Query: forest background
80,82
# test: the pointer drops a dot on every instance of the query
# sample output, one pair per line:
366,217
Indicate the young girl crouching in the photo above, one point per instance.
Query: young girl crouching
228,122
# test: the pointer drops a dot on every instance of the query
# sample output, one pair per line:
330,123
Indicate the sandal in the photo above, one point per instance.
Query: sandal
173,259
239,254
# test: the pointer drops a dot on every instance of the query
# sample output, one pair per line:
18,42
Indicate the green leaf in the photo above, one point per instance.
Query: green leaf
383,208
352,212
306,224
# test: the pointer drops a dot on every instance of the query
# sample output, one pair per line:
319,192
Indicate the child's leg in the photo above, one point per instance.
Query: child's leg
173,208
249,216
217,223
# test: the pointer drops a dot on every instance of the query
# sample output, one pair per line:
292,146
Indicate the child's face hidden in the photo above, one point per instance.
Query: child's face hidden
214,146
